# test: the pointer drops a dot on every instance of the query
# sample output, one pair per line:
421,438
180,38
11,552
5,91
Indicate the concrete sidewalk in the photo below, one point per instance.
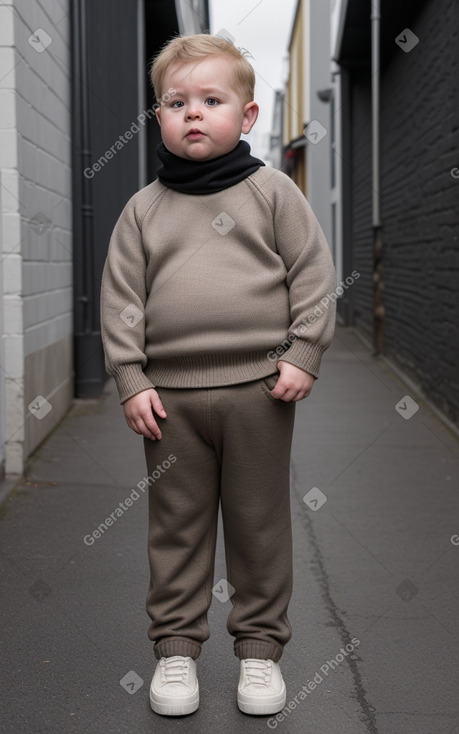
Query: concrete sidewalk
374,497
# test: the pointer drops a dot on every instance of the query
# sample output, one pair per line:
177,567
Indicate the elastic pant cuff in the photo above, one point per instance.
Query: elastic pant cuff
257,649
169,646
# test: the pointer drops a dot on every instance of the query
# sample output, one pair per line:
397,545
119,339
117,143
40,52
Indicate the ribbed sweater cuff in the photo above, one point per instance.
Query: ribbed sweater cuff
130,380
304,355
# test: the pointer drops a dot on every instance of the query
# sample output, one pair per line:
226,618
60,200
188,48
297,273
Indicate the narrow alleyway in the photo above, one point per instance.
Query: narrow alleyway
374,498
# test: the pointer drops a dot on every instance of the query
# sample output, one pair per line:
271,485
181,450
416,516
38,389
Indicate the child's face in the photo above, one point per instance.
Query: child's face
206,116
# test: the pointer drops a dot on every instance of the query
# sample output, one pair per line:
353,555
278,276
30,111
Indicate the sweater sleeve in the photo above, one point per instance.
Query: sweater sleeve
311,278
122,302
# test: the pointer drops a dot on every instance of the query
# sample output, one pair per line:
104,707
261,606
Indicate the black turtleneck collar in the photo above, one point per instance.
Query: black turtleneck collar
206,177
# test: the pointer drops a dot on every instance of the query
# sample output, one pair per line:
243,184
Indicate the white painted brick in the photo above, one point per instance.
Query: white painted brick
61,303
47,333
10,190
25,117
12,232
9,148
34,198
31,86
57,11
14,393
36,247
28,166
60,175
67,301
61,206
61,246
46,306
6,25
12,274
8,64
34,275
55,174
58,275
14,457
35,310
27,15
12,320
7,108
48,138
34,339
44,172
14,356
60,211
35,168
41,62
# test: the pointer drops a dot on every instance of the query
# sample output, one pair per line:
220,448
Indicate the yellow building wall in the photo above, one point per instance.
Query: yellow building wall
296,99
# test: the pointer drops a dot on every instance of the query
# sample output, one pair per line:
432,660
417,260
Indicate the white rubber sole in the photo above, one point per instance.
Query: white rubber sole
255,705
176,707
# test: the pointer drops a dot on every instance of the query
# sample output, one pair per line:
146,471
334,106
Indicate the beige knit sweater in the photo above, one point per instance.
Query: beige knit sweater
200,291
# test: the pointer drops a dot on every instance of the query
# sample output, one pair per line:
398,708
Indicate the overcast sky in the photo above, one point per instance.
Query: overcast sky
262,27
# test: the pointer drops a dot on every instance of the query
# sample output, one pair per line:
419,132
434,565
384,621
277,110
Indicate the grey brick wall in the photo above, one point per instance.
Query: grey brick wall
419,148
360,169
36,247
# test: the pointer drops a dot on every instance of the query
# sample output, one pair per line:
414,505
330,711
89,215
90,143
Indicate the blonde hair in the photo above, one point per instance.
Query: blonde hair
199,46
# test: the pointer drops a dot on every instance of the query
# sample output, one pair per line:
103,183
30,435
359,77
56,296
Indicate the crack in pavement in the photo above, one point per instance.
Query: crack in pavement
320,572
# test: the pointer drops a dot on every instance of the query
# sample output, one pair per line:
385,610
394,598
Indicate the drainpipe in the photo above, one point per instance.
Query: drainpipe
378,306
88,355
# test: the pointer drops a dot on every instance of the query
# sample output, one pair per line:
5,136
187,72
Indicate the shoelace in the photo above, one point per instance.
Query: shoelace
175,669
258,670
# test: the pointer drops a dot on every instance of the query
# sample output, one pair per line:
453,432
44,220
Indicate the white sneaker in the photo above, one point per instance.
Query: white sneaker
174,689
261,688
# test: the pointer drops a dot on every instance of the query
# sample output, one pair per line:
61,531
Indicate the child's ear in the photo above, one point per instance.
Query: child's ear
158,114
250,115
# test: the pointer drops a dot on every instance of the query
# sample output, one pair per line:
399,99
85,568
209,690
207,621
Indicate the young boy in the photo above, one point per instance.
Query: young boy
213,330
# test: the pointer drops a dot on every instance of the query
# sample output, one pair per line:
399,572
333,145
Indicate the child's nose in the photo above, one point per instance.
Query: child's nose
193,113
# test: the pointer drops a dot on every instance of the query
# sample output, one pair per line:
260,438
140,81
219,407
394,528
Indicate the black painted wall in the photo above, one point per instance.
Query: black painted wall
420,199
105,142
105,169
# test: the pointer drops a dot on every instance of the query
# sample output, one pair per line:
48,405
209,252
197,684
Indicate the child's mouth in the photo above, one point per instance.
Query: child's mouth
195,135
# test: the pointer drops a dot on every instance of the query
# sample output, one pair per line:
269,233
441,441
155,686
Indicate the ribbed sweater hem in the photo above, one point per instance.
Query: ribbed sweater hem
214,370
211,370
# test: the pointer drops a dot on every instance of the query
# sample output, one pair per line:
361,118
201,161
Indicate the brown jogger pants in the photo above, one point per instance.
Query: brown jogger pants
231,445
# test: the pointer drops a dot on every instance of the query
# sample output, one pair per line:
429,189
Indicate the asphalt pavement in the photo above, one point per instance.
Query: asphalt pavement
374,612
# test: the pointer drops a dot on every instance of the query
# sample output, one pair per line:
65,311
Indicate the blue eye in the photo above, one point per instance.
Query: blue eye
211,101
177,103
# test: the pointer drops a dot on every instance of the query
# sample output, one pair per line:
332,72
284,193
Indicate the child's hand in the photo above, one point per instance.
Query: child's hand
293,382
138,412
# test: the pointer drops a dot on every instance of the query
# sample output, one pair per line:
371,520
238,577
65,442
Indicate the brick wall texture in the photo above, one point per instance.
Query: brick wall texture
419,200
36,311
